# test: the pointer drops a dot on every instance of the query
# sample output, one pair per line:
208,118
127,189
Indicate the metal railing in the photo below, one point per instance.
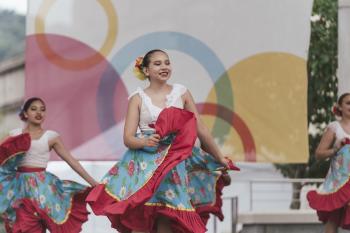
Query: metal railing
286,182
285,185
234,214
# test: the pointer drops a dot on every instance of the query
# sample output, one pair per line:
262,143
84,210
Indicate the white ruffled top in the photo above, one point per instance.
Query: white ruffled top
340,133
38,154
150,112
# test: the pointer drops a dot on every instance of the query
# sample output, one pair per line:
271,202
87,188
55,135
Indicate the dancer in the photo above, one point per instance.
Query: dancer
163,183
332,199
31,199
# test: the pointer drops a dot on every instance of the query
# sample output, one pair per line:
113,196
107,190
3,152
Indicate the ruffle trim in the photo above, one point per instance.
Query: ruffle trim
333,206
341,217
14,146
330,201
105,204
29,216
143,217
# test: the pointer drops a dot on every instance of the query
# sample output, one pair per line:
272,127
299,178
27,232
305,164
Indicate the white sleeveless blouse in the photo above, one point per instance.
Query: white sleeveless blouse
38,154
149,112
340,133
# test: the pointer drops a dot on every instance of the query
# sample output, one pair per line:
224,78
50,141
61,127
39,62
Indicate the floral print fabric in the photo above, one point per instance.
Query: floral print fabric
44,189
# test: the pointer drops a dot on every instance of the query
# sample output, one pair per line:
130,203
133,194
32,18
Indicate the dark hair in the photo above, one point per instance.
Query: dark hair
147,58
336,109
26,106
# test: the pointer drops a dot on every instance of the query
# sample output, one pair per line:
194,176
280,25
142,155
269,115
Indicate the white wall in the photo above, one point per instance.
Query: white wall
11,93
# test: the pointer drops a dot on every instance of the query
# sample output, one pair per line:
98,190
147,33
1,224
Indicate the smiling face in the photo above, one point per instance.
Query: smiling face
35,114
159,68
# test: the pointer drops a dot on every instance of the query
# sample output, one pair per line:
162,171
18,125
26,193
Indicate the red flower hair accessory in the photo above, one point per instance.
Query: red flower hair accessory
138,72
336,110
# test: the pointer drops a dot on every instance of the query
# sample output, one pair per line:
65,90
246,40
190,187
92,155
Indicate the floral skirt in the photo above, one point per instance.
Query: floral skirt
332,198
33,200
177,181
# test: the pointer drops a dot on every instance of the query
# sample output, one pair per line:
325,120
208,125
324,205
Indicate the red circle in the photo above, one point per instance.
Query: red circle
237,123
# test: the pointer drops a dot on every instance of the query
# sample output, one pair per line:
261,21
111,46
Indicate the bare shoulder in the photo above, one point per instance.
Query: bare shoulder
329,132
54,141
134,105
135,100
187,93
187,96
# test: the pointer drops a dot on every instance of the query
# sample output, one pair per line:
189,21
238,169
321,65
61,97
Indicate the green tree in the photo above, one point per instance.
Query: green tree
322,90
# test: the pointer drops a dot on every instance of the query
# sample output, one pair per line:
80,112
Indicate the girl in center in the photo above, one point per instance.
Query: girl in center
163,183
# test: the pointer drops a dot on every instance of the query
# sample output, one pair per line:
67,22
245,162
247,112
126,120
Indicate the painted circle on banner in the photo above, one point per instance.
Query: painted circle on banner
76,64
234,121
165,40
270,92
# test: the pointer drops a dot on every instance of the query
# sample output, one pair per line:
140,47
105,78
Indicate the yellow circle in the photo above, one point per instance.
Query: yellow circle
270,95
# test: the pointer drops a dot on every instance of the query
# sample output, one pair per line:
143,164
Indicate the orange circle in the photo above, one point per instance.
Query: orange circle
72,64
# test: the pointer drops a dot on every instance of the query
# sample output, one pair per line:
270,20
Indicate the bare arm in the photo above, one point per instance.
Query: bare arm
59,148
324,148
131,124
207,141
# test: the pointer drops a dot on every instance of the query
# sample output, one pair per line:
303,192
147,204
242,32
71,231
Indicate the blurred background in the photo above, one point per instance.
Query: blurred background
271,69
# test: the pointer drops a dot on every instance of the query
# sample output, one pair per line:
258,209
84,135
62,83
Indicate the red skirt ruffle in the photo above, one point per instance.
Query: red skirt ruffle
333,206
13,146
30,218
143,217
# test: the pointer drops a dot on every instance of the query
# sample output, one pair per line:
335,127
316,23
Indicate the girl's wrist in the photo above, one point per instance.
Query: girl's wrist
143,142
335,150
222,160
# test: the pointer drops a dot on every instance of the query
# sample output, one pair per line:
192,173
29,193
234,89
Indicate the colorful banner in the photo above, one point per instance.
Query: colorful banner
243,61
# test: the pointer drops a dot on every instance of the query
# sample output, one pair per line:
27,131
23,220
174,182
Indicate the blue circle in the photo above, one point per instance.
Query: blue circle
162,40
